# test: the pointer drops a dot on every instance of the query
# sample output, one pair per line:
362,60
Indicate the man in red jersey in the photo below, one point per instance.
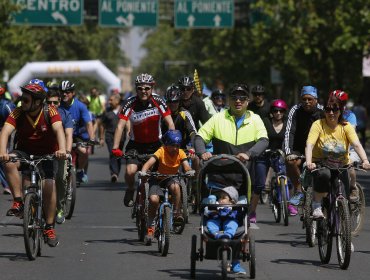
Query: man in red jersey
39,131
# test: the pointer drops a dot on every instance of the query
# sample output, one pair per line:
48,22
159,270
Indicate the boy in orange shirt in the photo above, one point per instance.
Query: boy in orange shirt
169,158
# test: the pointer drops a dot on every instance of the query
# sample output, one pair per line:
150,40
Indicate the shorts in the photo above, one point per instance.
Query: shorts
141,148
47,168
156,187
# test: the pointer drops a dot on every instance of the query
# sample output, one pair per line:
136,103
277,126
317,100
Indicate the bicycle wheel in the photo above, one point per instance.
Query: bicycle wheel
325,238
276,210
164,232
31,226
252,256
224,264
284,202
357,211
184,202
309,224
344,234
193,255
71,193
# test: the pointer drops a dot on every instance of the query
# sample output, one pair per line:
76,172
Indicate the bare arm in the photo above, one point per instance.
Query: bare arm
61,138
118,133
360,151
6,131
90,130
169,122
186,166
148,164
69,138
308,154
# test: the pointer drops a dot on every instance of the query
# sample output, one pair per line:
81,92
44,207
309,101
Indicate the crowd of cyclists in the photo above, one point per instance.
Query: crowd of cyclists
239,121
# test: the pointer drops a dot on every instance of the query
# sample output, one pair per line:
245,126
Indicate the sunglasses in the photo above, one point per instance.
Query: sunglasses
239,97
187,88
67,92
331,109
143,88
218,97
278,111
52,102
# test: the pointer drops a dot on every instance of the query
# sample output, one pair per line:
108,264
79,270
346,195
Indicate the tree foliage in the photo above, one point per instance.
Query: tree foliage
319,42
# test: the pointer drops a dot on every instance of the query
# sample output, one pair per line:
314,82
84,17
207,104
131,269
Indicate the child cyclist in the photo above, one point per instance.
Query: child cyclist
169,158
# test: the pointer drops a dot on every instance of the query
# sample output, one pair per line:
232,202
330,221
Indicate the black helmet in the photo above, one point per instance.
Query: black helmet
258,89
186,81
144,78
66,86
241,88
173,93
217,92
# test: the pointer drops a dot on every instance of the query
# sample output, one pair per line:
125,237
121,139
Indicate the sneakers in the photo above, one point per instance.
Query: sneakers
114,178
317,213
353,196
237,268
60,217
149,236
128,200
178,221
292,210
296,199
50,237
7,191
82,177
252,217
16,209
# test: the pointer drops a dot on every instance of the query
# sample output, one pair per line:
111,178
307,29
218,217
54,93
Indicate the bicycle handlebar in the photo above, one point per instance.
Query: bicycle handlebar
31,158
157,174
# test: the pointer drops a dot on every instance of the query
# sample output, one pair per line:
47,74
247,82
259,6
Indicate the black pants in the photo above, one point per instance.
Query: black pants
114,163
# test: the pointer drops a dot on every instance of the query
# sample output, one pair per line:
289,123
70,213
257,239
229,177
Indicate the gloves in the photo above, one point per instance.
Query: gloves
191,152
142,174
190,173
291,157
117,152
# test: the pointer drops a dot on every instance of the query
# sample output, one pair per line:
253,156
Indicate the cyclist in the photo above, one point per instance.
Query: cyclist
259,105
300,119
6,107
96,105
192,102
169,158
81,118
328,142
37,136
53,99
109,121
275,125
235,131
144,112
216,102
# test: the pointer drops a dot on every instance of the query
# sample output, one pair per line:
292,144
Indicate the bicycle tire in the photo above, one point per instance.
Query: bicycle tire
71,193
184,203
357,211
309,224
31,226
224,263
284,202
165,231
325,238
343,237
276,210
193,256
252,256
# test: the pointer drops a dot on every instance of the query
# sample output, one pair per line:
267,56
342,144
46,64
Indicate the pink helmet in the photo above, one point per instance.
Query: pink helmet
279,103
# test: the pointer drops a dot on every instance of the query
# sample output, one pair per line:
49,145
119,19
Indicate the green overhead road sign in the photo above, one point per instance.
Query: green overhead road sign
49,12
127,13
204,13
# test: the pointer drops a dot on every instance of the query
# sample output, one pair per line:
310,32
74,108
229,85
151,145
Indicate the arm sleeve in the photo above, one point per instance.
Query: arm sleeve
54,115
85,113
290,131
351,133
258,148
203,114
199,145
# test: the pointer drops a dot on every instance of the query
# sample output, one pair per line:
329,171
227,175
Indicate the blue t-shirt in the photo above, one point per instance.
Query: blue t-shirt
350,117
66,118
5,108
80,115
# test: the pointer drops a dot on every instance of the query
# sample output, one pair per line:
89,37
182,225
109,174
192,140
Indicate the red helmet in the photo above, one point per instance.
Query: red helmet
279,103
35,90
340,94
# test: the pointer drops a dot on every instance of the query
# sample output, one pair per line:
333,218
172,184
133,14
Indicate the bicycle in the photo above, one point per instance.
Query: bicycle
71,191
357,211
33,216
336,222
279,189
164,218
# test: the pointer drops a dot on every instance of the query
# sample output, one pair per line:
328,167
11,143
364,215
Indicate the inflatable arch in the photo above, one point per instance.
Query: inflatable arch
94,68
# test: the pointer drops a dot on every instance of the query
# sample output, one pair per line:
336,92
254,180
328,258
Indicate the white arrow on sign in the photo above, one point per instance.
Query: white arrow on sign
217,19
58,16
128,22
191,20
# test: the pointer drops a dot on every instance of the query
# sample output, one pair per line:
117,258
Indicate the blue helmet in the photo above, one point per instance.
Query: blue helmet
40,83
172,137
